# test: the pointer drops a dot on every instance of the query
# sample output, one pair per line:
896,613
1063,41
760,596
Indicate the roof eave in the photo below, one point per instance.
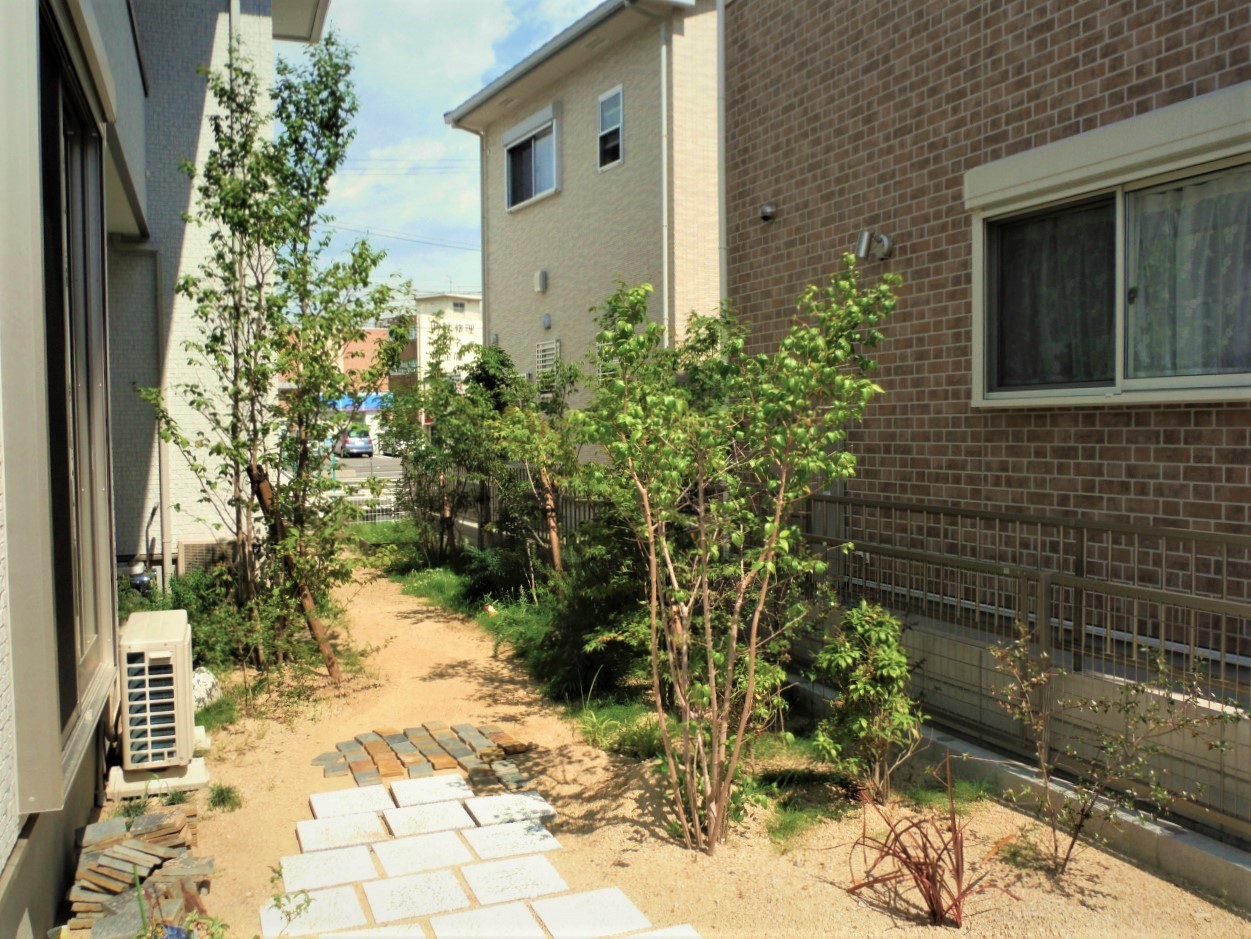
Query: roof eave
553,47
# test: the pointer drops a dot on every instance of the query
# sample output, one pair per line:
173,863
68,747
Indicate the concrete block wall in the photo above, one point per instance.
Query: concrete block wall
856,116
10,819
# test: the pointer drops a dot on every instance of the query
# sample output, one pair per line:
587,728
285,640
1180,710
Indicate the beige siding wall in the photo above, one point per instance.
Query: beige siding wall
695,272
599,226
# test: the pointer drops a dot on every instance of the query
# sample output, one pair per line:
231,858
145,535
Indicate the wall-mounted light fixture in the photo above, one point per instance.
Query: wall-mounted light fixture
875,245
540,281
768,211
495,339
547,320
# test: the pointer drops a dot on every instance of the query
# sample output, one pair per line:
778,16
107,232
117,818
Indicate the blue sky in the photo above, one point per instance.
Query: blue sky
410,180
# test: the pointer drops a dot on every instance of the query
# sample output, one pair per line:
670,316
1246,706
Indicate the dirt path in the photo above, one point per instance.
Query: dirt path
433,666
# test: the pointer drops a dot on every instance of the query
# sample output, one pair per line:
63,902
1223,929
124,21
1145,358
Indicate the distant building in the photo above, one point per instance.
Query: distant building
462,312
599,164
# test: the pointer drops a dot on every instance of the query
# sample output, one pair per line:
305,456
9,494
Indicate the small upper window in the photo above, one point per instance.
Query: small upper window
458,306
532,166
610,108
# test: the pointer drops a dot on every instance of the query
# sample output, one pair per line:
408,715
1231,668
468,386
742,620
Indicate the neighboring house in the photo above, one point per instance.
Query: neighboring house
1065,437
599,163
100,102
462,312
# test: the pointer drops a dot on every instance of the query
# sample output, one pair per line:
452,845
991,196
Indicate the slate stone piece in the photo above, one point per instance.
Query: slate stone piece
106,832
520,878
367,738
510,839
432,726
345,745
323,759
398,898
403,746
606,912
508,919
335,769
329,910
419,770
421,853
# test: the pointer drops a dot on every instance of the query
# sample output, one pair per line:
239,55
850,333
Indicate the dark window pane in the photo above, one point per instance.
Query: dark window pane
521,172
610,147
1052,298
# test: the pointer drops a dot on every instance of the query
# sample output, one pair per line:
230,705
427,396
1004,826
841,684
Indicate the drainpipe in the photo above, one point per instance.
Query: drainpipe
723,241
665,299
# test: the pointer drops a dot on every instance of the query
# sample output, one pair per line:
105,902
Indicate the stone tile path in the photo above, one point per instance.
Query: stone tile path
423,857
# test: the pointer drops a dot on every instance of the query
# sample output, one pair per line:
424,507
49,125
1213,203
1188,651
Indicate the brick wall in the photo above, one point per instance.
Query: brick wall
857,116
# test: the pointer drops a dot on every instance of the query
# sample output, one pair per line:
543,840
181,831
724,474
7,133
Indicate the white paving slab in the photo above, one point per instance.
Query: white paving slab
350,801
511,919
519,878
327,868
431,789
587,915
317,834
424,819
421,853
415,895
510,839
685,931
327,910
511,807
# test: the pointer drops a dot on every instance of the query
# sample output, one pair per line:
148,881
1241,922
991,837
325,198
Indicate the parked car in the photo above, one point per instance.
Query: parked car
355,442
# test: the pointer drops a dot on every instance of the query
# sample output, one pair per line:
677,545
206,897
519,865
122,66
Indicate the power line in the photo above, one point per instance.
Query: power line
402,236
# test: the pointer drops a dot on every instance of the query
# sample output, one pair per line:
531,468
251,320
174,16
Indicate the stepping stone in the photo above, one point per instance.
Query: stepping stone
335,769
511,919
424,819
432,726
346,745
510,807
419,770
317,834
421,853
435,789
327,868
327,910
350,801
324,759
519,878
510,839
606,912
415,895
367,738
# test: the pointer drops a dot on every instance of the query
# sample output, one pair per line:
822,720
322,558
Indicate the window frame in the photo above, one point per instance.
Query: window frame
538,125
1187,140
619,127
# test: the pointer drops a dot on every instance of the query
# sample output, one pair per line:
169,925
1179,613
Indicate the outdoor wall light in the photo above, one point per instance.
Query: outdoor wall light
495,339
875,245
547,320
768,211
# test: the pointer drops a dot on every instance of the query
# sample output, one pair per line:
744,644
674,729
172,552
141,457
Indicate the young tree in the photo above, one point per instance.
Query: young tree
272,309
712,450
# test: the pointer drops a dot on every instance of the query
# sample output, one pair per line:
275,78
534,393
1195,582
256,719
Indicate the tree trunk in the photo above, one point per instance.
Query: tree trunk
264,493
548,501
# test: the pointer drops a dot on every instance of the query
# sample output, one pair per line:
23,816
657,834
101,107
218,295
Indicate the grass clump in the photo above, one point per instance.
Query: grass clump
221,713
931,795
629,728
224,798
439,585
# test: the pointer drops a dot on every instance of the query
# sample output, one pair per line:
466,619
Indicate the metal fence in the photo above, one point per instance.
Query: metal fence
1094,595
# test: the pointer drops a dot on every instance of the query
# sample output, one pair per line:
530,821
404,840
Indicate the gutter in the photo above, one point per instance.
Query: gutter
553,47
723,238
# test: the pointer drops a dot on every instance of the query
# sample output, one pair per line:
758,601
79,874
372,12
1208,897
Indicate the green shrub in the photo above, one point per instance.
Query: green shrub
224,798
440,585
874,726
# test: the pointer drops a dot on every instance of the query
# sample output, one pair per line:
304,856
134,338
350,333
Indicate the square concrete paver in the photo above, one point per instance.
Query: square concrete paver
424,819
511,807
434,789
327,868
508,840
511,919
327,910
604,912
415,895
519,878
350,801
421,853
317,834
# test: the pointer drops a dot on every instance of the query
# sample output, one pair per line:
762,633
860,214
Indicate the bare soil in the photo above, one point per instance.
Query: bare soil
430,665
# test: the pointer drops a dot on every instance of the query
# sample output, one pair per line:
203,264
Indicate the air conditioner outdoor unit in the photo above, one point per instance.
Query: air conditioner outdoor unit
158,714
203,555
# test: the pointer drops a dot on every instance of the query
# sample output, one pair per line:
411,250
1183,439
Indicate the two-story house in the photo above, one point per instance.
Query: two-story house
1065,438
599,163
101,102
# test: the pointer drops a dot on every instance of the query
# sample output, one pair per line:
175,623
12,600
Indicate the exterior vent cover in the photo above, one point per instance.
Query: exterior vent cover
203,555
158,720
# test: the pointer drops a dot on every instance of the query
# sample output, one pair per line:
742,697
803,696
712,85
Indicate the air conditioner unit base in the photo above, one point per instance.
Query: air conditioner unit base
136,784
